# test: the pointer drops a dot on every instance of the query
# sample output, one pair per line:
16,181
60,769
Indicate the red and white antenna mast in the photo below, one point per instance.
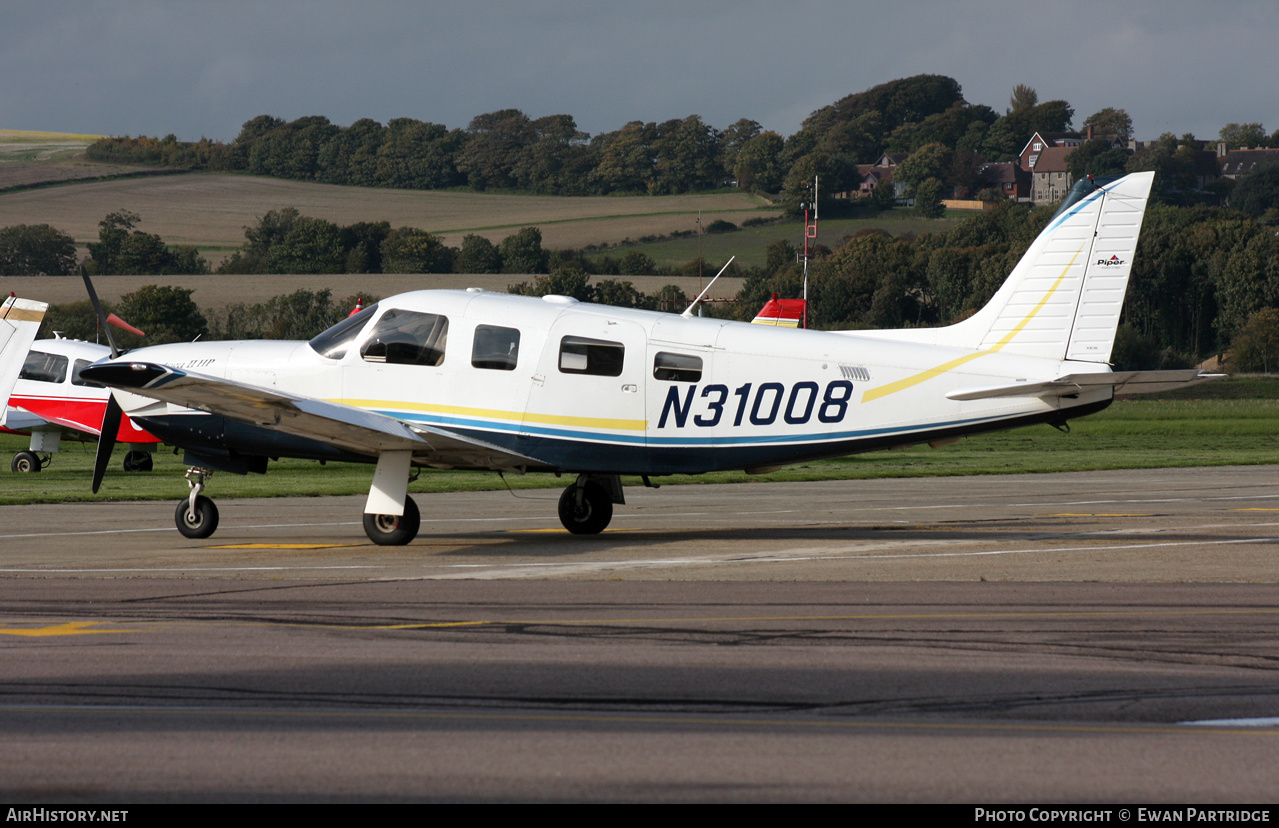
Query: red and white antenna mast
810,232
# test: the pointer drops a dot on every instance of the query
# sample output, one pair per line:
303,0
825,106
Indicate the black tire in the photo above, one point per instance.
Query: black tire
394,530
592,515
138,461
26,462
204,523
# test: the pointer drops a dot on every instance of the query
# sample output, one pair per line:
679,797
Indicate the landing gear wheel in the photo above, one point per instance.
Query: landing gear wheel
200,525
394,530
137,461
26,462
589,514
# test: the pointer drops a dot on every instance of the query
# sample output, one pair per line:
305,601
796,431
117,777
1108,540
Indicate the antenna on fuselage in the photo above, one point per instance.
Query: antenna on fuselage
688,312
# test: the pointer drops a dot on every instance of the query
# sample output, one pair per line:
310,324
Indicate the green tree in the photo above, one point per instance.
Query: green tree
758,163
1110,121
928,198
626,159
299,315
732,140
522,252
1242,136
1096,158
619,294
494,143
36,250
896,102
167,314
1256,348
927,162
122,250
635,263
410,250
311,245
418,155
1258,192
564,282
478,255
687,157
1023,98
362,243
557,160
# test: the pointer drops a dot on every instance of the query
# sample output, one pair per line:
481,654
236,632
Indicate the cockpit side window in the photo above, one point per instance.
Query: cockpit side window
495,347
335,342
80,365
43,367
407,338
677,367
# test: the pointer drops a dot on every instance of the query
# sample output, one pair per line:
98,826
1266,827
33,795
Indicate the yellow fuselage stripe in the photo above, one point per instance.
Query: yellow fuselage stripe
496,414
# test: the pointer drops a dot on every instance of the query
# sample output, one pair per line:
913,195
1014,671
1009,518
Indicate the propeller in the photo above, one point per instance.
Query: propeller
106,440
110,417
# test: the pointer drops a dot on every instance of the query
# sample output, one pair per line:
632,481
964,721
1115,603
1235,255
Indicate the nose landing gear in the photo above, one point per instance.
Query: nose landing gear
197,516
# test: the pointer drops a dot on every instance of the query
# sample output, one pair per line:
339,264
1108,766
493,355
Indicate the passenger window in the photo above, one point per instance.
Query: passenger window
494,347
403,337
677,367
80,365
43,367
579,355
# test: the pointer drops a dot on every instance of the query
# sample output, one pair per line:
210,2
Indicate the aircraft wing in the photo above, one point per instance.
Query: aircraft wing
1123,382
16,418
348,427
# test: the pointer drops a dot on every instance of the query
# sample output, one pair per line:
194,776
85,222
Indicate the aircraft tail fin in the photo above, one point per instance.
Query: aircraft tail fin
19,321
1063,299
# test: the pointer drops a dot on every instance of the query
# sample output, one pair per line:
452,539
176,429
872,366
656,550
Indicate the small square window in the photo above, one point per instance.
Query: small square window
495,347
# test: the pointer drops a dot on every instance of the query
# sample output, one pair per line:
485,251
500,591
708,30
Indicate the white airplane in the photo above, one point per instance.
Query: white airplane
478,380
51,402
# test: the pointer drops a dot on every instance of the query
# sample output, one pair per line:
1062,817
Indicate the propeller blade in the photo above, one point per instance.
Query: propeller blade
122,325
106,440
102,325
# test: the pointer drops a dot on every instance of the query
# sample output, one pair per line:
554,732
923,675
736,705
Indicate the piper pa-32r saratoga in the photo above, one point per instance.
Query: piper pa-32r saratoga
478,380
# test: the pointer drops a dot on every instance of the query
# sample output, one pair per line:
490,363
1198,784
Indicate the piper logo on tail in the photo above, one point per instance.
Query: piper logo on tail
1113,260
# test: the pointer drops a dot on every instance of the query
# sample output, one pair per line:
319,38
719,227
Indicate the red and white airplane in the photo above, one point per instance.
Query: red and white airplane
50,402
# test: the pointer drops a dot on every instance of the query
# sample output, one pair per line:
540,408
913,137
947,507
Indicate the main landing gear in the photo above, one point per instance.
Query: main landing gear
394,530
138,461
26,462
586,507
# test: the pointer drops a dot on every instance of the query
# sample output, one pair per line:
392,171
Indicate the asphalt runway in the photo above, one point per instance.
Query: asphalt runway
1101,637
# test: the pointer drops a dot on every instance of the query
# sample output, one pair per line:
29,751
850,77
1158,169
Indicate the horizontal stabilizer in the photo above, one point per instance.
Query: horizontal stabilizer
1123,382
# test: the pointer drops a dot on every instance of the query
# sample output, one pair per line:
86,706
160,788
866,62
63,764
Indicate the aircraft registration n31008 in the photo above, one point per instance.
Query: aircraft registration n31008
478,380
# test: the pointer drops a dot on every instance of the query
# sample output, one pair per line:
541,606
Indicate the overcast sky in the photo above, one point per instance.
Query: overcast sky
151,67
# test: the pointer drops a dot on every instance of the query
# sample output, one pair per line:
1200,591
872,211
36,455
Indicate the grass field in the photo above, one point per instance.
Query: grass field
1131,434
211,211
